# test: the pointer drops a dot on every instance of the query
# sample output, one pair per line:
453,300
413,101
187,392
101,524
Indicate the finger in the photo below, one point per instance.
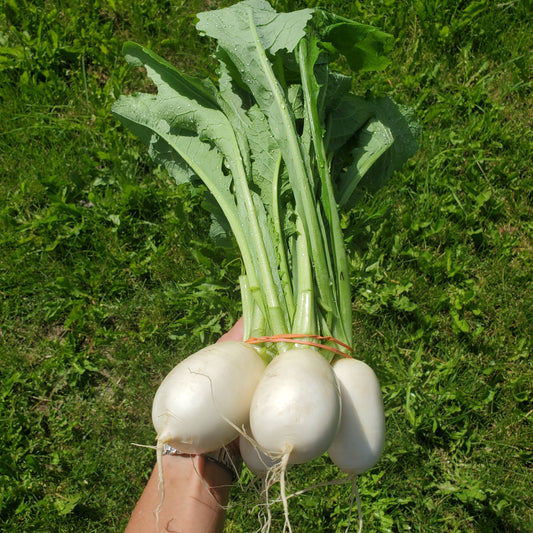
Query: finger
235,333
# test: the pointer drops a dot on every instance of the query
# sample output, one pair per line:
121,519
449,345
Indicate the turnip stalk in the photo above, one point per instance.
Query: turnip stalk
284,128
311,89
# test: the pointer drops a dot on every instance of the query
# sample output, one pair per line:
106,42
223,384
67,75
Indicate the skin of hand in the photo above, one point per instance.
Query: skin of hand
196,490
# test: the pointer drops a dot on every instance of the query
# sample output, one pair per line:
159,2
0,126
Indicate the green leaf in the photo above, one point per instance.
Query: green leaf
366,48
248,33
374,139
236,24
180,136
369,140
279,145
66,504
166,75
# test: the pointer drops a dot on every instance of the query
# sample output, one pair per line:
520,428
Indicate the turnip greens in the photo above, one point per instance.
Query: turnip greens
282,145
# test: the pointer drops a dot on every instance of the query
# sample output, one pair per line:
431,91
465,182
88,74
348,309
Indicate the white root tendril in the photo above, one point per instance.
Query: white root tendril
355,494
283,473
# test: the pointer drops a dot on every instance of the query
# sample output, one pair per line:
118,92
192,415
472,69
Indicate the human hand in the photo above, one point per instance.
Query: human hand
235,333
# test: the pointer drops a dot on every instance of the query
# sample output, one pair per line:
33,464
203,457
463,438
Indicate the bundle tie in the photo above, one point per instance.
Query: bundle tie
297,338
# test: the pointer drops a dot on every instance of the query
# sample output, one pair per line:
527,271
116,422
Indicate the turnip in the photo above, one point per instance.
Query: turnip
361,436
203,400
295,410
199,403
276,181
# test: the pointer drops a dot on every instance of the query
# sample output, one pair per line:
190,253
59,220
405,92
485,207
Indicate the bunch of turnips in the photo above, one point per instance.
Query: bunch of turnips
283,147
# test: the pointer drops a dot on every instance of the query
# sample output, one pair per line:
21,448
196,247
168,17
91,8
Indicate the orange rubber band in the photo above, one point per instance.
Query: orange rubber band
297,338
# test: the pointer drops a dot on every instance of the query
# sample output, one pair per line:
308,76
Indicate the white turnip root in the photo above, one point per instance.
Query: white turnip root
296,406
200,401
361,436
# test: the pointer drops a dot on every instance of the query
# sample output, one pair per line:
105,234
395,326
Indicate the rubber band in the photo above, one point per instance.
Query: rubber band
298,338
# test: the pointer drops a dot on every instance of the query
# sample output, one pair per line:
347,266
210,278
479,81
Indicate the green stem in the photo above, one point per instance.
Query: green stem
253,317
284,272
341,281
301,182
304,318
274,314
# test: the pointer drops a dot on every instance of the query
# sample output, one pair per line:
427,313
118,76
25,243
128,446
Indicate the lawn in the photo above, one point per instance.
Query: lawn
108,277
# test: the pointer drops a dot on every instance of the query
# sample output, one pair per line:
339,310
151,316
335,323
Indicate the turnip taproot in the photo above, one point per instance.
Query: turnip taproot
204,399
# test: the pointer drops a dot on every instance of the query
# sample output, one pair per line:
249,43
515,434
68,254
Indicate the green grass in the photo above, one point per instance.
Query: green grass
108,278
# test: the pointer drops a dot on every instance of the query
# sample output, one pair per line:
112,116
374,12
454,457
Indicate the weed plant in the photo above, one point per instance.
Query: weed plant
108,277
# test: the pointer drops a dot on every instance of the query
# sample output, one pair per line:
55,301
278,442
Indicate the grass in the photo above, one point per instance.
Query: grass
108,278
